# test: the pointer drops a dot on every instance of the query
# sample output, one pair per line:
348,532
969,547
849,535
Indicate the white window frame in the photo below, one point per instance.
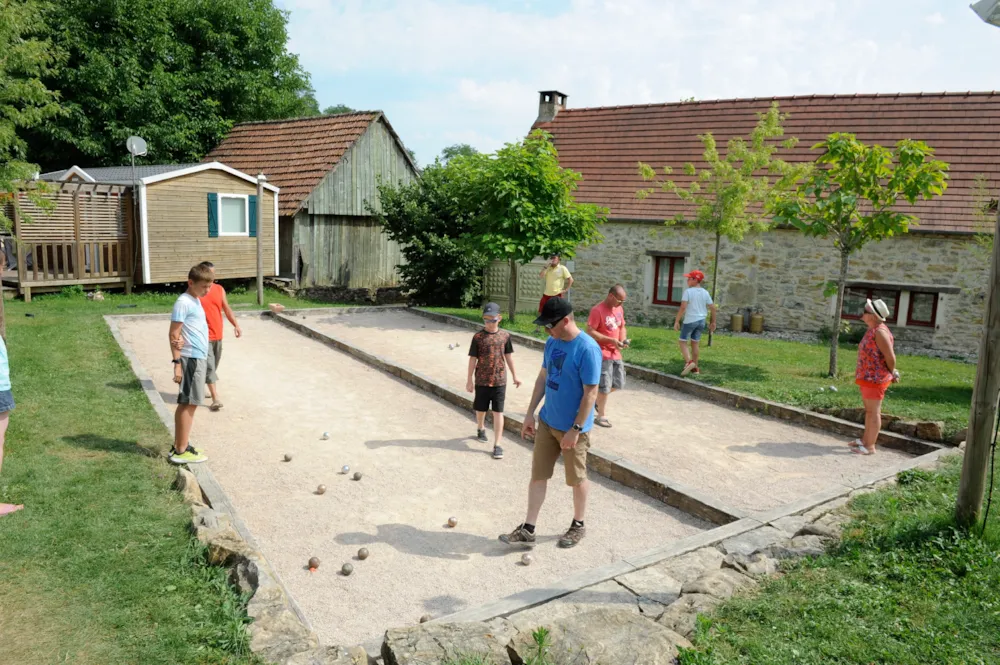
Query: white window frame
246,214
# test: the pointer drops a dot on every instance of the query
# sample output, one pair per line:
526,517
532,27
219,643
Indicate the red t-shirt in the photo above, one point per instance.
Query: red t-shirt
212,304
607,321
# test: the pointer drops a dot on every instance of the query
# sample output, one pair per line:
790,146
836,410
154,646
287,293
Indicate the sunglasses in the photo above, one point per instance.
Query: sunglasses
550,326
491,319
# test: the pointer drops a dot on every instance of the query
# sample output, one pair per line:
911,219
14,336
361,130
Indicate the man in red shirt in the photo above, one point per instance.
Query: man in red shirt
606,324
215,305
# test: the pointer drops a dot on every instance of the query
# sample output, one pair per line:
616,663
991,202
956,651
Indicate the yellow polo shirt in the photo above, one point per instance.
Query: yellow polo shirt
555,279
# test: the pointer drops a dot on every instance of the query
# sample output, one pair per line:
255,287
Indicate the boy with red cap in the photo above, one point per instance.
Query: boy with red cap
696,303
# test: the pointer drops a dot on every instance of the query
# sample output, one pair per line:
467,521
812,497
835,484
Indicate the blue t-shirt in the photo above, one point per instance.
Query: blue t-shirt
698,300
569,366
194,329
4,367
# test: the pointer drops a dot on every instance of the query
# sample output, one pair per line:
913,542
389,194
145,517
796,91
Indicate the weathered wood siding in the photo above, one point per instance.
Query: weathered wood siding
345,251
177,211
354,181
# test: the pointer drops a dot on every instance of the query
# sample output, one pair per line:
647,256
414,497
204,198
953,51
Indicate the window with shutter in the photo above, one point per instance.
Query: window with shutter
213,215
234,215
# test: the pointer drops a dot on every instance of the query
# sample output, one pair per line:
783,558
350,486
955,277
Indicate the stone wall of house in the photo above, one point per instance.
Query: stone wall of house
783,273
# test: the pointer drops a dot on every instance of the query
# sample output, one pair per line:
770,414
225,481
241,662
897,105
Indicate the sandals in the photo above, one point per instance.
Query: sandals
602,421
859,448
216,406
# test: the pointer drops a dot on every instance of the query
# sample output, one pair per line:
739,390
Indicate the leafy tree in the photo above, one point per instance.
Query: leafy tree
853,195
520,202
337,109
458,150
178,73
424,218
732,193
24,102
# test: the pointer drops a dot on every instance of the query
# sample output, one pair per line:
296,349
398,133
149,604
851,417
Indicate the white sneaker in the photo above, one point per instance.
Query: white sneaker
687,369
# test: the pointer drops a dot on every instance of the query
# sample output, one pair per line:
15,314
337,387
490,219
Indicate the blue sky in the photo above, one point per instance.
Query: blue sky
452,71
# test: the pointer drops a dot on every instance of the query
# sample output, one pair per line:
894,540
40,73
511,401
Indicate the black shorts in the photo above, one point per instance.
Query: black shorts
485,395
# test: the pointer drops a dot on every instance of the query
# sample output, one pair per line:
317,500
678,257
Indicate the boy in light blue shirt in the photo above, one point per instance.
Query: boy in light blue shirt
696,303
189,348
6,406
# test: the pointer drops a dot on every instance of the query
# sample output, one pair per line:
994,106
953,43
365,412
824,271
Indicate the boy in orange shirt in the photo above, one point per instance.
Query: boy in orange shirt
215,305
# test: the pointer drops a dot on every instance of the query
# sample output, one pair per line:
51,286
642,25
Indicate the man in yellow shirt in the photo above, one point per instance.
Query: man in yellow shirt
557,281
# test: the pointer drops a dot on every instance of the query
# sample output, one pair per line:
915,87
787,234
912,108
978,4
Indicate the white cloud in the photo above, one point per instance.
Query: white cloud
474,70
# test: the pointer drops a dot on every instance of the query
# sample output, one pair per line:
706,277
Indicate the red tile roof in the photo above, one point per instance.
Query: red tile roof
606,144
296,154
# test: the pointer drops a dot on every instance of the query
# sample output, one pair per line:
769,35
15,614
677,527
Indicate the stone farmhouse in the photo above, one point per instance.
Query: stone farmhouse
933,278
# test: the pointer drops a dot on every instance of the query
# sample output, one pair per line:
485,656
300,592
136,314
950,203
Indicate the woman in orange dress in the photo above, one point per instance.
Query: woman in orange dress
875,371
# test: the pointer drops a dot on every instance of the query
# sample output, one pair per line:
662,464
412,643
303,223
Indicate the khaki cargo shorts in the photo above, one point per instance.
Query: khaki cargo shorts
548,449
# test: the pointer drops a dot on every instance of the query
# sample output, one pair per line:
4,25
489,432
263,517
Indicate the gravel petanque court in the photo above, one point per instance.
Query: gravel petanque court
746,461
420,465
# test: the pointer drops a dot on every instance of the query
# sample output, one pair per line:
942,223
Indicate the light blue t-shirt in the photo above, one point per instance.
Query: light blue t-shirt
194,328
698,300
569,366
4,367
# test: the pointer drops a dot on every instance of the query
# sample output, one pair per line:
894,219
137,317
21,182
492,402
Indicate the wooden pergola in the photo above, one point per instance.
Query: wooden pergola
85,239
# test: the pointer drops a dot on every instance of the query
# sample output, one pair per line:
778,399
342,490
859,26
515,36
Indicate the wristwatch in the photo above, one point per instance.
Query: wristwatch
176,361
578,428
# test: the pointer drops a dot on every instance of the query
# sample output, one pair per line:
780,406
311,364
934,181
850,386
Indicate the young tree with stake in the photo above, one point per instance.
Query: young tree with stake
853,194
732,193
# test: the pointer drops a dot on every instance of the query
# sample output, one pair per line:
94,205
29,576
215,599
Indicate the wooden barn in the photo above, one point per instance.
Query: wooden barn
328,168
184,214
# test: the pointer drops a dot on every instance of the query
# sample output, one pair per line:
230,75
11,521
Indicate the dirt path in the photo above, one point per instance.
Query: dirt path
746,461
281,391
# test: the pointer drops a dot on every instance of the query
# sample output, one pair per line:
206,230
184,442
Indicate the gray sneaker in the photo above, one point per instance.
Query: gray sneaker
481,435
519,536
572,537
497,452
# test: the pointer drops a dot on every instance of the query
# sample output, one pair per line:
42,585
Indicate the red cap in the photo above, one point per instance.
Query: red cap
696,274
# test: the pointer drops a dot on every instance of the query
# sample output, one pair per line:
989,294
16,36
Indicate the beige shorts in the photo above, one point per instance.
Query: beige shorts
548,449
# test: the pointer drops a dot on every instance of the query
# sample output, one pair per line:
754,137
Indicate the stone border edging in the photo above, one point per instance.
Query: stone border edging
273,598
732,399
613,467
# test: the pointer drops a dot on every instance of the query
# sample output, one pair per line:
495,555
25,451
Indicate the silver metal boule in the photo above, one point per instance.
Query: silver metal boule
347,569
527,559
345,470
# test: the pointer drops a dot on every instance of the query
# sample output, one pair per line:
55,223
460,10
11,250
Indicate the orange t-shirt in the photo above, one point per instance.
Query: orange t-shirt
212,304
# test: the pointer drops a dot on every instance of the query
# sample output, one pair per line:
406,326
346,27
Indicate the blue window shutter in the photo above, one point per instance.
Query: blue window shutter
253,215
213,215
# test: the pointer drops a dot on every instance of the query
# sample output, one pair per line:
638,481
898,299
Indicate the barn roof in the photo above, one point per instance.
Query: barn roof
606,144
296,154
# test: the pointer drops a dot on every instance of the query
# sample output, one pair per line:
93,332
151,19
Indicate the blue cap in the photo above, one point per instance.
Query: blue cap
491,309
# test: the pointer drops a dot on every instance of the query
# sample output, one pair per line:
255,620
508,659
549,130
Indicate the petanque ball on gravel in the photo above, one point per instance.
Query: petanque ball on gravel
321,489
363,553
527,559
313,563
325,437
453,522
288,458
357,475
347,569
425,618
345,469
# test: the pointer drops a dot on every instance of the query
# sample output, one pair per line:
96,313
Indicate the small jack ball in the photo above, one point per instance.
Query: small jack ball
313,563
326,435
357,475
527,559
321,489
452,521
345,469
347,569
288,458
363,553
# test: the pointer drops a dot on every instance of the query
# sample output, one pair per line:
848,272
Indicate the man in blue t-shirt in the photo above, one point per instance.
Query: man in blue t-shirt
571,372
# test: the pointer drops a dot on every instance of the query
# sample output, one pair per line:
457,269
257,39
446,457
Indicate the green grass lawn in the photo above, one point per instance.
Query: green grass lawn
794,372
99,567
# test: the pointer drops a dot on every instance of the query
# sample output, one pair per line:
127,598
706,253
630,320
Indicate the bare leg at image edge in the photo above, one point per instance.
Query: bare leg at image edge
5,508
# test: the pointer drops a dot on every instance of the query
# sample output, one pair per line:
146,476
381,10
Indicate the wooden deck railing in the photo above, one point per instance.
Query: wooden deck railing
53,261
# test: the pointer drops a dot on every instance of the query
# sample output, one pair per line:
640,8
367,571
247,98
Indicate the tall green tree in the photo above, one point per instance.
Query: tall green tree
424,218
521,205
179,73
854,195
24,100
732,191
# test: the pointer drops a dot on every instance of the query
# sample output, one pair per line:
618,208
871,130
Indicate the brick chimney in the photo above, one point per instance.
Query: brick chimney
550,102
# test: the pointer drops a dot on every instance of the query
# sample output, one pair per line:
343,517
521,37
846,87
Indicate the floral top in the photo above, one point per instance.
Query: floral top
871,363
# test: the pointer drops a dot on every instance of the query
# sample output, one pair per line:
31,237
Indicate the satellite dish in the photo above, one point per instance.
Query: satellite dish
136,146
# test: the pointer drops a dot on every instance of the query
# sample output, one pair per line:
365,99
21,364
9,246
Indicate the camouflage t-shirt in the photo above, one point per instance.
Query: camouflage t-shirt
490,348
